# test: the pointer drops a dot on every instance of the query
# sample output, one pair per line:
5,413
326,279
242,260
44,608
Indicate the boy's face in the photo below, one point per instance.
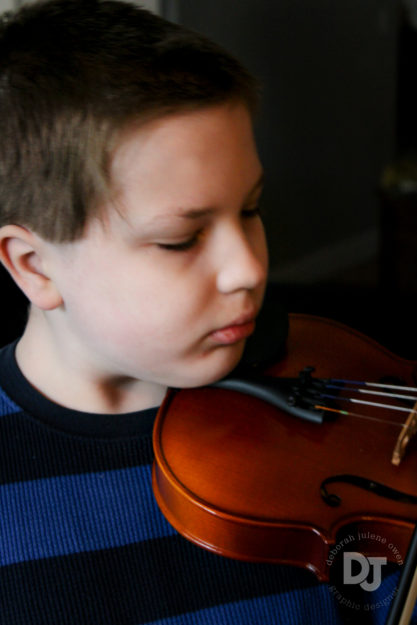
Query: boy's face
165,289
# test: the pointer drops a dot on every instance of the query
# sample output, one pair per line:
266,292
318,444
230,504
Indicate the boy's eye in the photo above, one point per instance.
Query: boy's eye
190,242
182,246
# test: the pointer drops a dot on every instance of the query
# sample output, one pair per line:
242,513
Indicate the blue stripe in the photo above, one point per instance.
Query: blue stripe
77,513
7,406
314,606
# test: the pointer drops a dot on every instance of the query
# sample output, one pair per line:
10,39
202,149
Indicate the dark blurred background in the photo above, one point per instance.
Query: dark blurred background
338,137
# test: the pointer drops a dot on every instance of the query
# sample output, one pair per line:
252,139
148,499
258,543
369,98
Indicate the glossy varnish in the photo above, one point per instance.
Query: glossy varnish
242,478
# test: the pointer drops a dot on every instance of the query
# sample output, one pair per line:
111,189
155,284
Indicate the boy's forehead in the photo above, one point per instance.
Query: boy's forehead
182,135
213,118
185,155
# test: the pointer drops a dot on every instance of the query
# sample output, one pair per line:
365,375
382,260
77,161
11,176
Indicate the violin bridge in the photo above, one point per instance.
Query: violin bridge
408,430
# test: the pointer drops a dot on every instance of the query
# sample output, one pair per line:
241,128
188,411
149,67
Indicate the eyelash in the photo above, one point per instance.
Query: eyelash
183,246
188,244
250,213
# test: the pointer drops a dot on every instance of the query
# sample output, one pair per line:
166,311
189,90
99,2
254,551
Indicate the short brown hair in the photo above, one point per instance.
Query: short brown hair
74,73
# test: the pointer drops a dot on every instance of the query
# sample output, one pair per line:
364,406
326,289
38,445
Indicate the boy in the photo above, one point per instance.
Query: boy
130,184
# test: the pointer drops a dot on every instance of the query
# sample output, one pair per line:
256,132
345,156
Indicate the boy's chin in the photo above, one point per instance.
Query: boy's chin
215,371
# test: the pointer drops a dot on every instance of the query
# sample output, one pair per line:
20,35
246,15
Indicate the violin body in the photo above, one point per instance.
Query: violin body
242,478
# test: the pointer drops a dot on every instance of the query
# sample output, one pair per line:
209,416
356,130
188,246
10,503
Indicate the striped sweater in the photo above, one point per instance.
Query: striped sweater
82,541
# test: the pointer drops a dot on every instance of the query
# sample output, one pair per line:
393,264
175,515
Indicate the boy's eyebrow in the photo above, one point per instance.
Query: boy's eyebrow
196,213
158,221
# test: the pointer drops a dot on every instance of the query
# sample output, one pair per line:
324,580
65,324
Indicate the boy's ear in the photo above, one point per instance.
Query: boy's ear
22,254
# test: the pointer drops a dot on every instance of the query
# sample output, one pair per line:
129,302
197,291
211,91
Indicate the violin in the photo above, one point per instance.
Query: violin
248,479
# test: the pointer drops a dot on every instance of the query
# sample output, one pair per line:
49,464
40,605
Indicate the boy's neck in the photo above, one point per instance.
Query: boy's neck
74,383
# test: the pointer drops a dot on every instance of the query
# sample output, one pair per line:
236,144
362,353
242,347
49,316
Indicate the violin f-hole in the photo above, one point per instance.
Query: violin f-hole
334,500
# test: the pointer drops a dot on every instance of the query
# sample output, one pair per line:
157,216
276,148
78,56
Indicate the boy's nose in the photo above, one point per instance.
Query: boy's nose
242,263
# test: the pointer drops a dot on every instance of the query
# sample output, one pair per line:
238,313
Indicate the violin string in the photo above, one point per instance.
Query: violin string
366,403
360,416
380,393
395,387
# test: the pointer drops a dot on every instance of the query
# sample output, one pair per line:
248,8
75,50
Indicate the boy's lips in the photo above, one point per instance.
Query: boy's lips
236,331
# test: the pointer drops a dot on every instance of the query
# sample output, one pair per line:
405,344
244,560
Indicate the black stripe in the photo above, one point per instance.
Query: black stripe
29,450
135,584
